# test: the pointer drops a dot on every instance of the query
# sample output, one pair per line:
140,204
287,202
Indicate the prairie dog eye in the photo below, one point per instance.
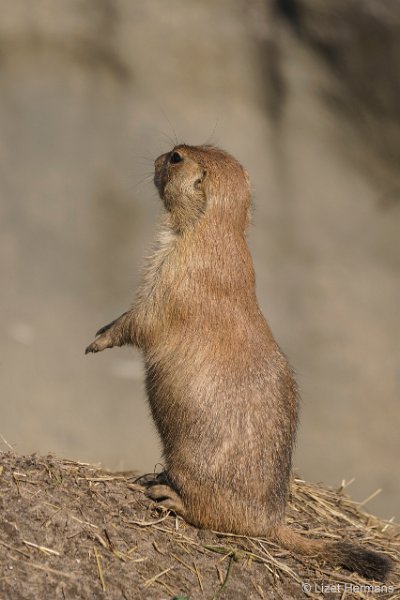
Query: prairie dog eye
175,158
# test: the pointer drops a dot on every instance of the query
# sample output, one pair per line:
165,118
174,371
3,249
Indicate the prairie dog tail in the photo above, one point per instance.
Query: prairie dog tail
366,563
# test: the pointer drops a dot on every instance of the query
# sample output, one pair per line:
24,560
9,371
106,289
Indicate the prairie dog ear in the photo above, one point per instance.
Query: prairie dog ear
198,184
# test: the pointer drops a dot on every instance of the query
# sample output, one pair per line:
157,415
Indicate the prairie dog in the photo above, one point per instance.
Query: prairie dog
222,393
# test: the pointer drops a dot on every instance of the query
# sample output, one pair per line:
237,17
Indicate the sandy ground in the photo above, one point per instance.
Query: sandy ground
71,531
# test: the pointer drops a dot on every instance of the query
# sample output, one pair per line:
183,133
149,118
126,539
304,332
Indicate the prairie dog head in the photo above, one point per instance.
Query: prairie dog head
199,181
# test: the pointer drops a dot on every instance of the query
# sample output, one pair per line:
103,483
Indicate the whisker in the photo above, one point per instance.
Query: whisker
211,139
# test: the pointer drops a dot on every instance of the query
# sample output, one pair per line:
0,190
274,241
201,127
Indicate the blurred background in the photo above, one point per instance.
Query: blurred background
306,94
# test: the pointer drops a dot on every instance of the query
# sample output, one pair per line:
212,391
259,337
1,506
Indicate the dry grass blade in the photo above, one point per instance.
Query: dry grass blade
373,495
13,549
182,562
41,548
102,479
6,443
99,568
50,570
47,522
84,522
196,568
149,523
102,541
152,580
225,580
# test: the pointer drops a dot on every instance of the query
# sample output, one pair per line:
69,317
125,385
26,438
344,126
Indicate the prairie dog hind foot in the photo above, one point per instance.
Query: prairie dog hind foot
158,488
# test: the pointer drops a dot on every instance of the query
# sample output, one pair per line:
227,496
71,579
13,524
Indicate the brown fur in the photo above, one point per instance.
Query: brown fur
222,394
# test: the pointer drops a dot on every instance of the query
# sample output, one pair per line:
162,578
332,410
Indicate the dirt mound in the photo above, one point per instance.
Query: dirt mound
70,530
